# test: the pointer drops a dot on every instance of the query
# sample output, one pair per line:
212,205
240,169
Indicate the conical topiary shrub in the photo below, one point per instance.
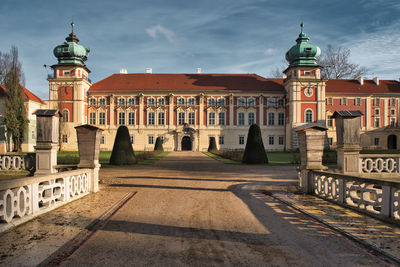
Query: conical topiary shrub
212,145
255,151
158,146
122,153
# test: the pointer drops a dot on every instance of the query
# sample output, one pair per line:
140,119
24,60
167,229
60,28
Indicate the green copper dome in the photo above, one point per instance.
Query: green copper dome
303,53
70,52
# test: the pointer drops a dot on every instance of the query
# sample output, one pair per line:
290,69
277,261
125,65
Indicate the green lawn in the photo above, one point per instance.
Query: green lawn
72,157
219,158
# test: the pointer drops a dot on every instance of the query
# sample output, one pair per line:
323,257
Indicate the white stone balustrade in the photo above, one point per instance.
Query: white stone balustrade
379,163
24,198
16,162
376,197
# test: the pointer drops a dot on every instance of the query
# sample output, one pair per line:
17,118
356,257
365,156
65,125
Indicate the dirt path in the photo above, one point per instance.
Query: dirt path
192,210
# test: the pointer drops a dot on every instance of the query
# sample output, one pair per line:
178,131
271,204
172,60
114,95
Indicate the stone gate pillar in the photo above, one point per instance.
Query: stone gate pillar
348,124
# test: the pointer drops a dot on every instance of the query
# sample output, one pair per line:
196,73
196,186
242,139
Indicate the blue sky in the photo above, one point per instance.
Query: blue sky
178,36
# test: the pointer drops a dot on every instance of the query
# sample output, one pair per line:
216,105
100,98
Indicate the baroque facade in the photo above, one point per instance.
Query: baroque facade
185,110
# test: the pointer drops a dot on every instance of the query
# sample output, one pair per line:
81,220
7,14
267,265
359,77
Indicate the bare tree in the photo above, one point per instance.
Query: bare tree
277,72
336,64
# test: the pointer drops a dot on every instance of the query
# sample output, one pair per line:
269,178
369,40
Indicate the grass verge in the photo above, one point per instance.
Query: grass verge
153,159
219,158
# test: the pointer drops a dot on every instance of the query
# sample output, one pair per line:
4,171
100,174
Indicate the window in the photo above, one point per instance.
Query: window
271,102
241,102
329,101
271,118
192,118
377,101
307,73
271,140
102,101
377,122
329,121
281,118
221,118
376,111
65,115
162,139
211,118
92,118
240,118
161,118
376,141
181,101
33,134
211,101
251,102
221,102
67,72
131,101
181,118
102,118
151,139
281,102
392,122
151,118
131,118
357,101
132,138
65,138
121,118
93,101
343,101
241,139
161,101
102,140
393,102
392,112
221,140
150,101
121,101
280,140
330,141
309,115
251,118
191,101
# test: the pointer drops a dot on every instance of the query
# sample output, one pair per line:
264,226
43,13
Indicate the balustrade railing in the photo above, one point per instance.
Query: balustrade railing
379,163
370,195
17,162
31,196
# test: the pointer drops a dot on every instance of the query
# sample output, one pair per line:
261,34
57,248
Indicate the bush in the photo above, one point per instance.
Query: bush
122,153
254,152
212,145
158,146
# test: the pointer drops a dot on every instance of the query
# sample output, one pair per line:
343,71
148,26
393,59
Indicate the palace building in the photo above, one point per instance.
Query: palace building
185,110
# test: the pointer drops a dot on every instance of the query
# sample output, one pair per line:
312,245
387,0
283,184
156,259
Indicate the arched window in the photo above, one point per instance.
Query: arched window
181,101
309,115
65,115
102,101
241,102
211,101
93,101
121,101
161,101
251,102
191,101
150,101
221,102
131,101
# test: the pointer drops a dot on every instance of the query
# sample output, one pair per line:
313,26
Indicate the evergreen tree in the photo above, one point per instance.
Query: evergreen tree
158,146
122,153
254,152
15,119
212,145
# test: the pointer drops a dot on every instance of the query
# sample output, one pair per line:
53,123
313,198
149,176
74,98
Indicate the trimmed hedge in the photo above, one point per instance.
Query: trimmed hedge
122,153
212,145
254,152
158,146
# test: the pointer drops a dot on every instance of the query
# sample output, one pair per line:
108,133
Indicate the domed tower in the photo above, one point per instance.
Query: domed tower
304,87
68,86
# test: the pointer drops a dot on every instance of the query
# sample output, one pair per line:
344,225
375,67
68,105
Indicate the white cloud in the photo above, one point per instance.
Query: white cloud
270,52
157,30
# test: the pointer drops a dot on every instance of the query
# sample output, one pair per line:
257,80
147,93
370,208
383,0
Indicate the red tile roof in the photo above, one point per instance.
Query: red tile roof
187,82
369,87
27,94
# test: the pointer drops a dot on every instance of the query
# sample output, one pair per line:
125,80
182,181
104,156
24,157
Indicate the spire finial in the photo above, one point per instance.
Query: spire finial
72,25
301,26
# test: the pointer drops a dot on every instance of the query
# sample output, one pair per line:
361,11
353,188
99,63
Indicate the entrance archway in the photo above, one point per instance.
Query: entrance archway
392,141
186,143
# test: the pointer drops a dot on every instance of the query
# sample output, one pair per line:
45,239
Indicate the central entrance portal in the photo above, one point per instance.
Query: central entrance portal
186,143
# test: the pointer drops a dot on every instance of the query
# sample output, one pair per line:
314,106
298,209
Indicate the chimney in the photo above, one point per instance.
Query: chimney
198,70
123,71
361,80
376,80
149,70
